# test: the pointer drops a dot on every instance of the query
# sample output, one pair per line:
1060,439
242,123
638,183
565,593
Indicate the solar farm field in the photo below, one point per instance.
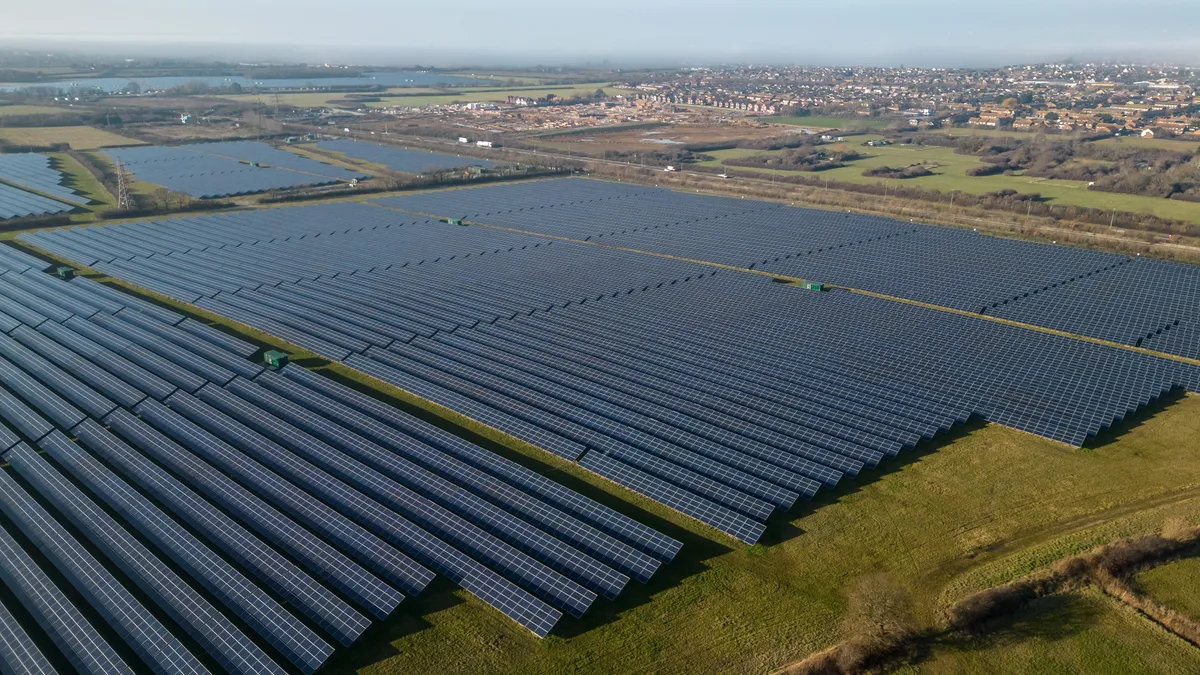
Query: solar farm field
18,203
400,159
36,172
208,170
304,509
635,344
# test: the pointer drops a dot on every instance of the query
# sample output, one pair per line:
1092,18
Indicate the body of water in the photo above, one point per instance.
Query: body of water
114,85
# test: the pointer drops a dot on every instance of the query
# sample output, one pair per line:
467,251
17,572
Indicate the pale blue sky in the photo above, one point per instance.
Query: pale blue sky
454,32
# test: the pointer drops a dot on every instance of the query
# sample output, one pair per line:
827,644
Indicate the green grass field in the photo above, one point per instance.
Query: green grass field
80,180
986,508
1157,143
1176,585
845,123
13,110
1081,633
80,138
951,174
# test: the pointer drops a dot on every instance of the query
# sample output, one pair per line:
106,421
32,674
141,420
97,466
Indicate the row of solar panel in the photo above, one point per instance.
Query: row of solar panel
1098,295
36,172
17,203
741,420
352,480
211,170
336,314
199,233
400,159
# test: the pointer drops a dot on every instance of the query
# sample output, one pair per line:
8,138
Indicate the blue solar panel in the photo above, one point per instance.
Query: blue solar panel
103,381
36,172
477,578
17,203
599,516
18,653
601,546
80,643
54,378
271,621
152,642
389,563
521,535
400,159
273,570
209,170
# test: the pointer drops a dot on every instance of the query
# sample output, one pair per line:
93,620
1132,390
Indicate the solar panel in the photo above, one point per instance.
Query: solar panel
603,518
522,535
270,568
79,641
376,555
18,653
321,559
53,377
476,578
17,203
597,544
100,379
138,355
225,642
271,621
36,172
152,642
140,378
399,159
37,395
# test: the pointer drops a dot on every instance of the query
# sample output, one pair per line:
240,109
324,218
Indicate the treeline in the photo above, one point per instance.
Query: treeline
910,171
77,118
806,158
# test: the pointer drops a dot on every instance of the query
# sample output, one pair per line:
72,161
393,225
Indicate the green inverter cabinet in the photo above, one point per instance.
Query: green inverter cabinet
275,358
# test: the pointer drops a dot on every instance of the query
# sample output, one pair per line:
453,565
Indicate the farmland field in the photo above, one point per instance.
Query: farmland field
310,100
950,174
80,138
1176,585
937,524
1157,143
846,123
12,110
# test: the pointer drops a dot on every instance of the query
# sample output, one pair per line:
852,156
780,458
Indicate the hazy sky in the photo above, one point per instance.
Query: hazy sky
626,32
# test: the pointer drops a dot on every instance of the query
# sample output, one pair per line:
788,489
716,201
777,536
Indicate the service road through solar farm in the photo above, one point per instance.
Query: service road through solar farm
608,412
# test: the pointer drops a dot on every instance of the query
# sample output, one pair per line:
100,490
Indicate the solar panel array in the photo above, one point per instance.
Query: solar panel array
1133,301
17,203
208,170
401,159
720,394
261,153
1146,303
269,517
36,172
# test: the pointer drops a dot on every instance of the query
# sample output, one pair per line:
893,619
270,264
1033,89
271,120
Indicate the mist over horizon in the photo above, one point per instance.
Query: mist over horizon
620,33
